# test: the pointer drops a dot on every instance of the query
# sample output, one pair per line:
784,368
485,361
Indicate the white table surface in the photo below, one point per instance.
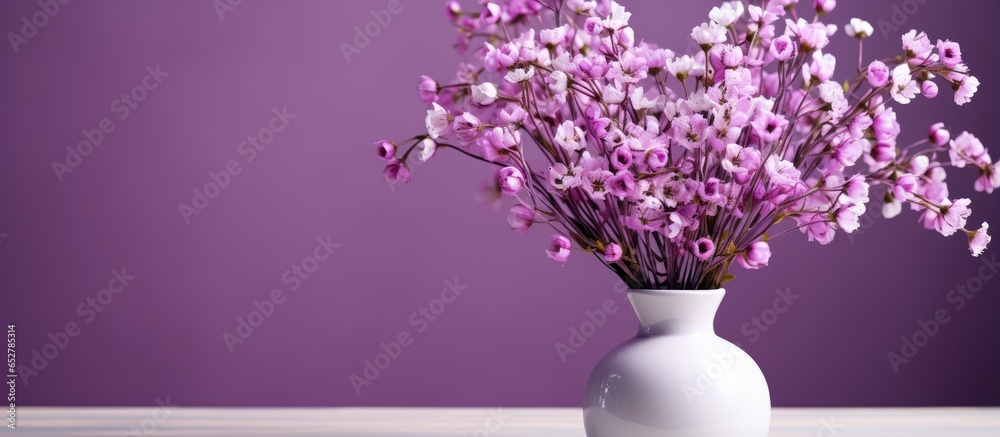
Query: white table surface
440,422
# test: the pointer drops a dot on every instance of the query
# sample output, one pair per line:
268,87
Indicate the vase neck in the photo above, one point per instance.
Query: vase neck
676,312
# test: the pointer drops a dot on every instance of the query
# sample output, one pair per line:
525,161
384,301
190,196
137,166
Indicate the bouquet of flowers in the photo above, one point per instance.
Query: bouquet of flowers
670,167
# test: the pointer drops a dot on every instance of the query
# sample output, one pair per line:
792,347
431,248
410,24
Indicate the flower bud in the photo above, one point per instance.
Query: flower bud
484,93
612,253
939,136
511,180
929,89
520,218
386,150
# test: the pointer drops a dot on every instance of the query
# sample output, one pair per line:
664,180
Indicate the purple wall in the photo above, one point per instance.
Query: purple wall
163,333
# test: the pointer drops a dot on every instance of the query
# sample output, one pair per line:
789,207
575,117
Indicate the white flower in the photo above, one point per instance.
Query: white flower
618,18
520,75
727,14
639,101
613,95
859,28
570,137
833,93
919,164
438,121
557,82
681,67
904,88
427,149
892,209
563,63
709,33
582,7
484,93
553,36
848,215
562,178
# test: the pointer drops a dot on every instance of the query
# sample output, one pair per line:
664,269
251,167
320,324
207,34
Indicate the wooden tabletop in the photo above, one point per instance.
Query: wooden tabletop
479,422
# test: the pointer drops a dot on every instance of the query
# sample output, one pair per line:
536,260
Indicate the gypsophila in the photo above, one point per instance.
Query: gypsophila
672,167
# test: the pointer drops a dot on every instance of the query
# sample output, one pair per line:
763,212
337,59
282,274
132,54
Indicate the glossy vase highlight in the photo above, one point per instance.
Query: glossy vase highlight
676,378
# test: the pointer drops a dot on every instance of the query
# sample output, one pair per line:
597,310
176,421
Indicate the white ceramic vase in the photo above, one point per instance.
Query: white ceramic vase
676,378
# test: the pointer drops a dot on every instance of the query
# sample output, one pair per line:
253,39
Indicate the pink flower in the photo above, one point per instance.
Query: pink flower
595,183
732,56
520,218
396,172
820,231
386,150
621,158
466,128
783,173
967,88
878,74
511,180
453,10
847,218
593,26
848,151
500,144
856,189
950,53
490,14
918,47
824,6
860,125
755,257
978,240
904,88
656,158
428,89
769,126
904,186
712,192
622,184
512,113
507,54
702,248
885,126
883,153
939,136
612,253
559,250
722,157
782,48
821,68
951,217
570,137
812,36
741,162
966,148
989,178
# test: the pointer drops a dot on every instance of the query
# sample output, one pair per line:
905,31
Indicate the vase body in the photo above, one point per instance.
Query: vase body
676,378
